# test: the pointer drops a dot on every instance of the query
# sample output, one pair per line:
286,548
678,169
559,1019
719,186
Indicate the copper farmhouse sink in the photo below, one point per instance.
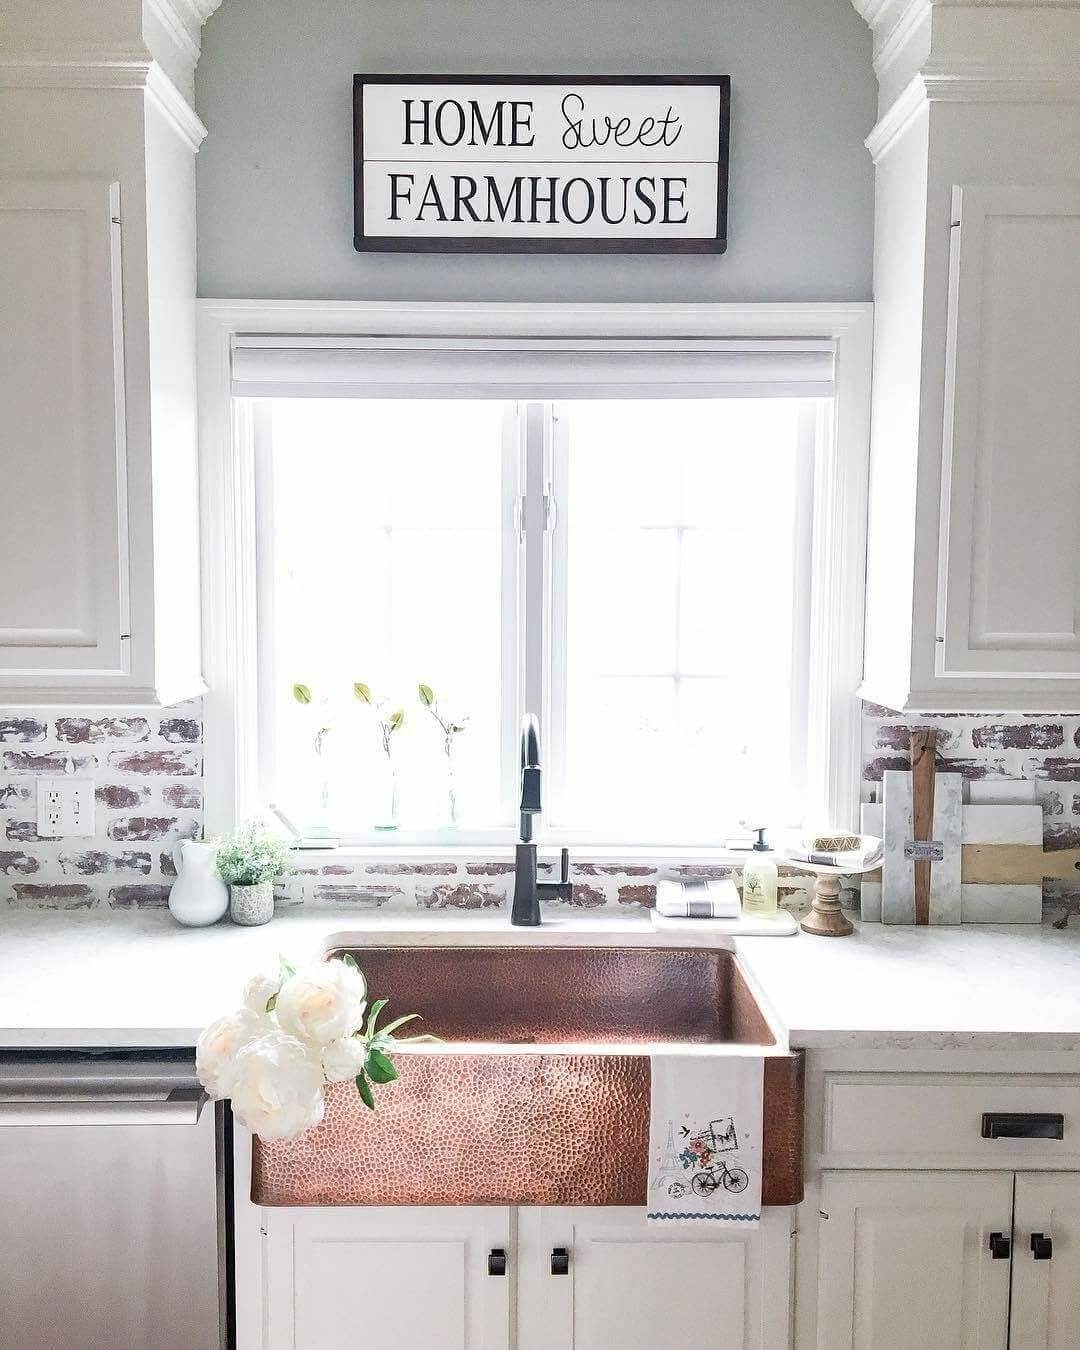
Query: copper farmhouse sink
540,1093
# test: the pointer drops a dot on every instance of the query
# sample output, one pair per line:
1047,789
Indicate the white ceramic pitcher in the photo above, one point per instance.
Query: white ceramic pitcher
198,896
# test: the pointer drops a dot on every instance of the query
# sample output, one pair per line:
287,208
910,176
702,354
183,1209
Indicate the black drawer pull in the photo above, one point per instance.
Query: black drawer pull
1023,1125
1000,1246
560,1261
1042,1247
496,1261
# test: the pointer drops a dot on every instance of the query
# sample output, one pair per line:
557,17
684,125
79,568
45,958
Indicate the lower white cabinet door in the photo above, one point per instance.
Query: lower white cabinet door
1046,1262
389,1279
905,1261
624,1284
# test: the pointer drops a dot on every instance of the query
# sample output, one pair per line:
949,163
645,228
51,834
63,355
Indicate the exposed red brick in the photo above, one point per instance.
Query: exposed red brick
94,862
12,795
898,737
176,763
120,797
588,869
336,870
180,730
141,828
707,871
638,895
167,865
146,895
55,895
22,831
186,796
877,710
52,761
22,729
84,730
465,895
16,862
489,869
966,767
419,869
1051,803
1057,837
1054,770
585,896
1018,736
363,896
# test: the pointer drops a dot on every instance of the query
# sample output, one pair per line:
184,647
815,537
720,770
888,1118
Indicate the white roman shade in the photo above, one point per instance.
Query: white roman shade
544,368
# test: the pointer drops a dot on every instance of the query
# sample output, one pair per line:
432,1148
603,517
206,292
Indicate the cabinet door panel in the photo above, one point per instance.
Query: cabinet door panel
1009,584
1046,1294
398,1279
635,1286
904,1262
63,591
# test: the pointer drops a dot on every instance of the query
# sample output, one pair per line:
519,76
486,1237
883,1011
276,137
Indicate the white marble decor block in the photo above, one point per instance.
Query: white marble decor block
870,891
948,825
897,877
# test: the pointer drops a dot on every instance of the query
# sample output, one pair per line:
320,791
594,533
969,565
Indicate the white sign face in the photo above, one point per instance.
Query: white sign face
503,164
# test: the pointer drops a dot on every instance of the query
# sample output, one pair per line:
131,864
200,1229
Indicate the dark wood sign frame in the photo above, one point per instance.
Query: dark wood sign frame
395,244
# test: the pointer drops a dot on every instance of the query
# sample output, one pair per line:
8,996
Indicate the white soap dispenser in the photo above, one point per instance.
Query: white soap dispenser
760,881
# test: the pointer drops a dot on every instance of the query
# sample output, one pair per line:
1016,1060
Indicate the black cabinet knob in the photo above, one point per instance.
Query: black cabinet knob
1042,1247
560,1261
1000,1246
496,1261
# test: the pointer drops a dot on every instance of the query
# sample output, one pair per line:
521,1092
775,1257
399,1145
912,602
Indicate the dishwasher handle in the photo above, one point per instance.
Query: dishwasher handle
181,1106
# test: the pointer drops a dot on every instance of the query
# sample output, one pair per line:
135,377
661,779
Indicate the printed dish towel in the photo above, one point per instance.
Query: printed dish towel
705,1139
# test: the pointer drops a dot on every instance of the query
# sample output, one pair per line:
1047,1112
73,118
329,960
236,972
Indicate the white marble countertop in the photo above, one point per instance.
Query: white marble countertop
140,980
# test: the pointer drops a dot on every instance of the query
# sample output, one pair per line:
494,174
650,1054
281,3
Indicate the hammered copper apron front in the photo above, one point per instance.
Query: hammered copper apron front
506,1128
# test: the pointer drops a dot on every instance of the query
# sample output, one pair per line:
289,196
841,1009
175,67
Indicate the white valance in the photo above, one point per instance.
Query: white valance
542,368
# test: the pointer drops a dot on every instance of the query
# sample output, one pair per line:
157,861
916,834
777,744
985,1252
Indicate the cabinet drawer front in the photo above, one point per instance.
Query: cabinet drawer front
928,1119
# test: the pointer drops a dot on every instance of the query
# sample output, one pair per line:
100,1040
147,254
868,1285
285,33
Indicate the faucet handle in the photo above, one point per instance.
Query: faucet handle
530,790
564,866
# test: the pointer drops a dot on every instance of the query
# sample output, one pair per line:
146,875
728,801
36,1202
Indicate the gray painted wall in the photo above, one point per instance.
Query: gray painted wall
275,173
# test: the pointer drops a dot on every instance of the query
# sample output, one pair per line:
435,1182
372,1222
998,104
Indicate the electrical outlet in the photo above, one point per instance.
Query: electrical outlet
65,806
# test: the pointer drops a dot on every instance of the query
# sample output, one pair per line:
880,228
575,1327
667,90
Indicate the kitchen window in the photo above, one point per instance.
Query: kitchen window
627,538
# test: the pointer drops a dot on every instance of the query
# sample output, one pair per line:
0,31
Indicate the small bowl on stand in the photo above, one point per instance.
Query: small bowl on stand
828,864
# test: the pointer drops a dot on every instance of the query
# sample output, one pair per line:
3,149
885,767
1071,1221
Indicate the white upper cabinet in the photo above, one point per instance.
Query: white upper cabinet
1010,546
973,560
100,585
64,593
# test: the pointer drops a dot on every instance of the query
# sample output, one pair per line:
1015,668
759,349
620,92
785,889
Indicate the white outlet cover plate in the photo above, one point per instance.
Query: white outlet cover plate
65,807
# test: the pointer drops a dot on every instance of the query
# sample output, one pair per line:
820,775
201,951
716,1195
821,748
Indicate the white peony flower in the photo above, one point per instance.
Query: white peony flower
276,1086
220,1043
343,1060
258,992
322,1003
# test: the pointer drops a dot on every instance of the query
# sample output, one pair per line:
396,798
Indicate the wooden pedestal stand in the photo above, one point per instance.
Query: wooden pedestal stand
826,918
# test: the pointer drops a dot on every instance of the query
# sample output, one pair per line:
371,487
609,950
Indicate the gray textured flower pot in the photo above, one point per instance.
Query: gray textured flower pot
252,905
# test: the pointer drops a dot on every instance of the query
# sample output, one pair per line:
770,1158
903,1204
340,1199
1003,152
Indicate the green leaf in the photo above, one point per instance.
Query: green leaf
398,1022
364,1089
285,969
427,694
395,719
349,960
380,1067
361,692
271,1003
424,1038
373,1016
302,693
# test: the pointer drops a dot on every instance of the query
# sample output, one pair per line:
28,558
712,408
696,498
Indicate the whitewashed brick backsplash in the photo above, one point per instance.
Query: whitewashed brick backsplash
148,765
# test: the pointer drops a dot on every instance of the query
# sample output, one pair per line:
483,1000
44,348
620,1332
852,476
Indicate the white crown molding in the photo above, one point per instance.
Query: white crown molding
48,70
183,118
889,128
182,26
899,35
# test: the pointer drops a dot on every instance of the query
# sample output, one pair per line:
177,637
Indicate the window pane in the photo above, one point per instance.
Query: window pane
386,569
682,565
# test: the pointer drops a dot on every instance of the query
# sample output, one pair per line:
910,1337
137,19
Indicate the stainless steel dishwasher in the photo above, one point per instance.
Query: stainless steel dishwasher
113,1220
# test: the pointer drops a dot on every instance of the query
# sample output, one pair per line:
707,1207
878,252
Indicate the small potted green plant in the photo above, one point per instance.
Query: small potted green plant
249,860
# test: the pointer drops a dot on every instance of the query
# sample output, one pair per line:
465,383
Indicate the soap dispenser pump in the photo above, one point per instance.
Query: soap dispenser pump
760,880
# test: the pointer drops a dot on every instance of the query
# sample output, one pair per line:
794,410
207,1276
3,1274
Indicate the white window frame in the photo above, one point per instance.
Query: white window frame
228,492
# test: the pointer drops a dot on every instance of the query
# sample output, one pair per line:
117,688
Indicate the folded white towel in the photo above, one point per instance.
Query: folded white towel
705,1139
698,899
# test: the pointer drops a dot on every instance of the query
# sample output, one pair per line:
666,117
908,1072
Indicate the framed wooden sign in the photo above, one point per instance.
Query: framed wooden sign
508,163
